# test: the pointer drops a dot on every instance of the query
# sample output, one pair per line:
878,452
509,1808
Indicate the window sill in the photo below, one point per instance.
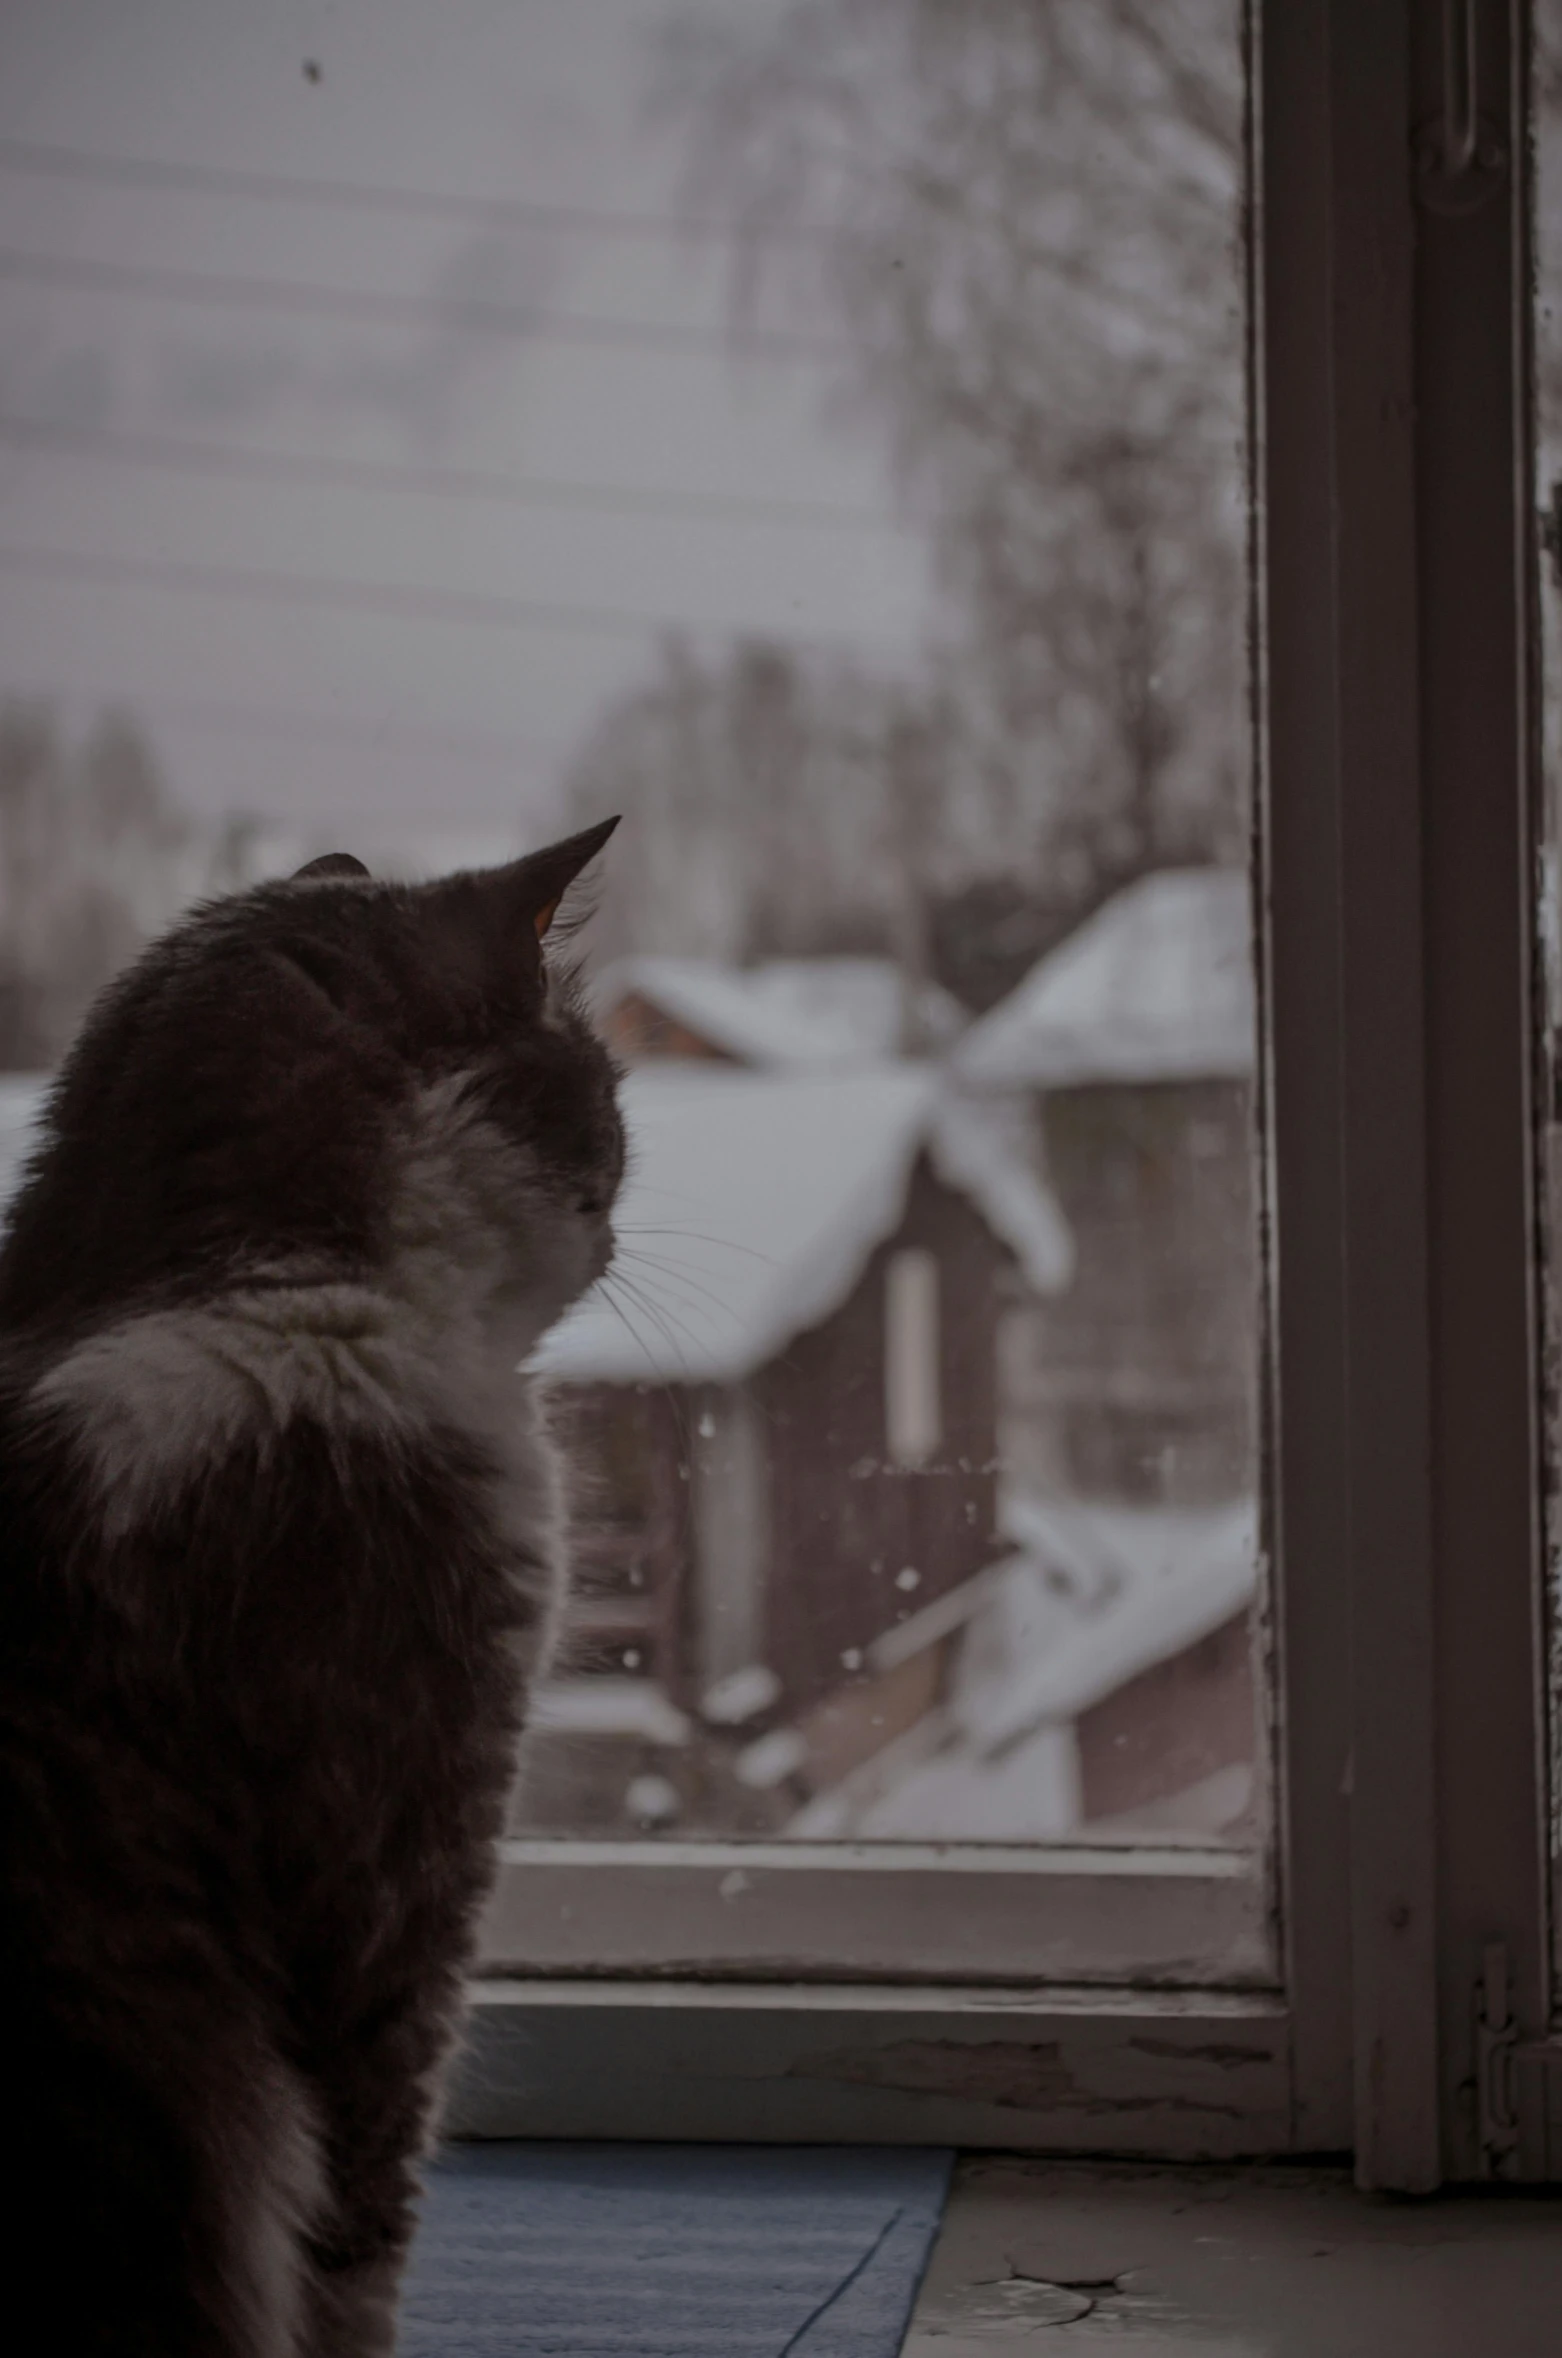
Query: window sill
1079,2070
1171,1916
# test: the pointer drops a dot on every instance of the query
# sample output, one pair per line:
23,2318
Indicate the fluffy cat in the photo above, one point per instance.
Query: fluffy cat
279,1558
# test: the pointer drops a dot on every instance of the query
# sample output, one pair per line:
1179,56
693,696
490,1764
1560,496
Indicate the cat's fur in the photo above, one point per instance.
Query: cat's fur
279,1555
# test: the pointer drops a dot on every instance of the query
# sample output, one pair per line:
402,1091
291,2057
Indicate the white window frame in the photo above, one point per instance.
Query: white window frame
913,1365
1399,2001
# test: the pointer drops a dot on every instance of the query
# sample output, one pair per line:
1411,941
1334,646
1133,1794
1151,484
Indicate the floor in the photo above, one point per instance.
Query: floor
1082,2258
669,2251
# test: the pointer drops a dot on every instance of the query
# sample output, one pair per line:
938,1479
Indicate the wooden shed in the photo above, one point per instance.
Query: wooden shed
1133,1042
784,1412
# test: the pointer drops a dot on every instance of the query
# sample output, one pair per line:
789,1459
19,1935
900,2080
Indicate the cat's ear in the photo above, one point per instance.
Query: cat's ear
535,886
489,923
330,864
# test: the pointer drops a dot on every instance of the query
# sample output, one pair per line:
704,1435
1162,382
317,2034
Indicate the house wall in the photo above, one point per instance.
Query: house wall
636,1029
846,1523
1137,1383
1173,1725
657,1465
627,1449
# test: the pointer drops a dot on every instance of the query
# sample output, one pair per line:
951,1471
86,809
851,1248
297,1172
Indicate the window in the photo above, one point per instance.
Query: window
1035,522
934,973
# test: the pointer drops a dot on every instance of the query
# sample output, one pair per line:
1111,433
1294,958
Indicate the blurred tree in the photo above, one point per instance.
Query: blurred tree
782,806
93,858
1026,220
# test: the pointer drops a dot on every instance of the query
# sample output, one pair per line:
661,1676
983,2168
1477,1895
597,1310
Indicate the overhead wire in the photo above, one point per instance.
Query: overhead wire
44,159
462,314
486,609
309,471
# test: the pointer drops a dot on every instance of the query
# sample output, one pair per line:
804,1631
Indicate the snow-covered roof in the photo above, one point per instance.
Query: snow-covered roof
793,1014
21,1102
1156,986
935,1790
755,1199
1092,1597
630,1707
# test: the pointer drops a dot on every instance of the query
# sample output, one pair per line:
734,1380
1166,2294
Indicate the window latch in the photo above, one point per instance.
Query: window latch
1461,155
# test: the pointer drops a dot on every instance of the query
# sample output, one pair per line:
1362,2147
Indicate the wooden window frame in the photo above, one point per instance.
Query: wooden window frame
1402,2007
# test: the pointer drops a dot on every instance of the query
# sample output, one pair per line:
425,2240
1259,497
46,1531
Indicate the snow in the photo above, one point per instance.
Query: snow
771,1760
988,1151
753,1203
1093,1596
652,1801
21,1102
946,1614
1103,1593
1030,1795
634,1707
1156,986
742,1694
792,1014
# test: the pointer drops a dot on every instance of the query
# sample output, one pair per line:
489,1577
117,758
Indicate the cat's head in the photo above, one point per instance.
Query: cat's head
333,1077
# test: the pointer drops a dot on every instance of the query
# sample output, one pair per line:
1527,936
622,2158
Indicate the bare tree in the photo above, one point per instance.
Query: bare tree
93,858
783,805
1026,220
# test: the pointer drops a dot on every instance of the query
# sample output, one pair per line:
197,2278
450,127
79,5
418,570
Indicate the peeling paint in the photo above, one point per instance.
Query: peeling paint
1217,2052
1017,2076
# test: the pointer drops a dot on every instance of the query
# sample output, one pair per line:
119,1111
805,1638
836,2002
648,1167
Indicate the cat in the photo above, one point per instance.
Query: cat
280,1556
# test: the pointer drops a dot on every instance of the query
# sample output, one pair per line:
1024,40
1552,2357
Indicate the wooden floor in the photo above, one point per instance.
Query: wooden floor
1279,2263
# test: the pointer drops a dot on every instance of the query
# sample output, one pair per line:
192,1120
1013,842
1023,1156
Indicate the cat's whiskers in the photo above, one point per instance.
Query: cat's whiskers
616,1284
725,1244
674,1275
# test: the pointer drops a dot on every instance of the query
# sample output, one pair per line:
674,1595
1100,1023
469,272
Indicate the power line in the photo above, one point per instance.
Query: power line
395,601
194,455
388,736
463,314
40,160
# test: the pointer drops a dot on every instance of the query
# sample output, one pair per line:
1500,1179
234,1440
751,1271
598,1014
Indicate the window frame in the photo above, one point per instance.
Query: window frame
1409,2017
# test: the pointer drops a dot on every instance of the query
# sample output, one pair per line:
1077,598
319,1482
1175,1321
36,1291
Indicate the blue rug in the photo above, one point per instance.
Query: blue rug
670,2251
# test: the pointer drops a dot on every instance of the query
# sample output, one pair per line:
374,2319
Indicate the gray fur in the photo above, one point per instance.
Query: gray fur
280,1556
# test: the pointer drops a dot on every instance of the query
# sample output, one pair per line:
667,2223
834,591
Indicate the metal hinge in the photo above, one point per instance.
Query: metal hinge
1496,2040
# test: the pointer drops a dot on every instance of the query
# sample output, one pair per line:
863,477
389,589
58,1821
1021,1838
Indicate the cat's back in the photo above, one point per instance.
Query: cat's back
276,1703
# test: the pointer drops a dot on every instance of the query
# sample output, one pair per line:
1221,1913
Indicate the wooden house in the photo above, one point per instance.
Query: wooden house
784,1410
1132,1390
1087,1668
1133,1043
1099,1684
785,1015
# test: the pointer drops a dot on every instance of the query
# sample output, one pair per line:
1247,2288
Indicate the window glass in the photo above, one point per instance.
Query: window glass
816,429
